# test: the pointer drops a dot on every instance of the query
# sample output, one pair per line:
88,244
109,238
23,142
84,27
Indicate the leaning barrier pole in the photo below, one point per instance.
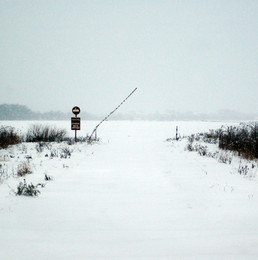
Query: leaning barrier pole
95,129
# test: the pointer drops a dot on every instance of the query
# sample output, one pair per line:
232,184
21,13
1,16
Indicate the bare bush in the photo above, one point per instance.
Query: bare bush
65,153
189,146
39,133
48,178
23,169
87,139
53,153
242,139
225,158
243,170
8,136
27,190
202,150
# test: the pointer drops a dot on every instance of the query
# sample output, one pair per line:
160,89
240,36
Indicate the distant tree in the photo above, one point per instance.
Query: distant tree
16,112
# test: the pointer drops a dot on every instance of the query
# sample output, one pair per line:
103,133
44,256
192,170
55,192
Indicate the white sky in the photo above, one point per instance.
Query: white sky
181,55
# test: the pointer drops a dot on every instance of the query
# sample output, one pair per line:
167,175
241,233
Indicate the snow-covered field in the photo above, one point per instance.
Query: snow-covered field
133,195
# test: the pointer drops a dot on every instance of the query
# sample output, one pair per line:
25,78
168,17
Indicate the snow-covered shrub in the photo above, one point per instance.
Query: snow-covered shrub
23,169
242,139
80,139
202,150
23,148
65,153
69,141
225,158
234,137
212,154
53,153
8,136
27,190
48,178
40,133
189,146
243,170
212,136
41,146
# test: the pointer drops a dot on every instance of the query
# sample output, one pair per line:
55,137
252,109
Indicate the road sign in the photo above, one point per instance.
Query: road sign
76,123
76,110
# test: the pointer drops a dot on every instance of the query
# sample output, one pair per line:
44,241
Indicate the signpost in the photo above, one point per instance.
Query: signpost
76,121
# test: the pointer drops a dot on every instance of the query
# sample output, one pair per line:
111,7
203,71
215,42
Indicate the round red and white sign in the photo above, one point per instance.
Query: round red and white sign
76,110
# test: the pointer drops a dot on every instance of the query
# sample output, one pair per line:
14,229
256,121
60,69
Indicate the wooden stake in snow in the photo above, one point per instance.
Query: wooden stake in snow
95,129
177,138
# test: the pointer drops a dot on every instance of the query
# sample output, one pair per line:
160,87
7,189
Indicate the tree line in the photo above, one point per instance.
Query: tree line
22,112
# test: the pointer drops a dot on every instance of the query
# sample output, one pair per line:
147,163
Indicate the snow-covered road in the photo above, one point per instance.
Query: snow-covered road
134,196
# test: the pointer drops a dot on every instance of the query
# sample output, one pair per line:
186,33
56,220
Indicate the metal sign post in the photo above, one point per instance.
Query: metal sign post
76,121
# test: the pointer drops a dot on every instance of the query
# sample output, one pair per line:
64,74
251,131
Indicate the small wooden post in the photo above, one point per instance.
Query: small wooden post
177,138
96,135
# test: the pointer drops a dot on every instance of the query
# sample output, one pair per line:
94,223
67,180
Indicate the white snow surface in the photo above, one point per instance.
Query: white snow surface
133,195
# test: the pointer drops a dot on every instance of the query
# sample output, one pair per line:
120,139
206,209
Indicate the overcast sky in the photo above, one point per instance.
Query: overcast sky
196,56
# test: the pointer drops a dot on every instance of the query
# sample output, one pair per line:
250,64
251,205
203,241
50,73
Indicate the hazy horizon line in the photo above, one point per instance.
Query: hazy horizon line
222,114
